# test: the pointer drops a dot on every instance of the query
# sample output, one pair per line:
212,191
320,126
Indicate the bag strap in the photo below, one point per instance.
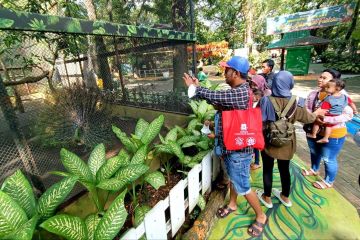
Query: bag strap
276,106
286,109
316,98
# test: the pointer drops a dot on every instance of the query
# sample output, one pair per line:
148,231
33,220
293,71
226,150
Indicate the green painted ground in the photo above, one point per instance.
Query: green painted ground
315,214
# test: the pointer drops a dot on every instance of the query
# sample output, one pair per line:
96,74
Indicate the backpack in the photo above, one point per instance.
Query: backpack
280,133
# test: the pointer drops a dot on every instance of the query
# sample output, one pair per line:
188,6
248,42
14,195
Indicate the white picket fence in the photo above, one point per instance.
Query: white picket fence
155,224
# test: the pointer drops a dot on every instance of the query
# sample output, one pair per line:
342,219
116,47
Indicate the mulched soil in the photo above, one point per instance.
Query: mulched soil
151,196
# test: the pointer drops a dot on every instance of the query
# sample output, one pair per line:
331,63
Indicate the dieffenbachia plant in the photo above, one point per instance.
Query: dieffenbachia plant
179,138
21,212
113,175
139,145
95,227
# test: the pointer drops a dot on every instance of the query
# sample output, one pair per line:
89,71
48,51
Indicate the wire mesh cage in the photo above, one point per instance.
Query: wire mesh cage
66,63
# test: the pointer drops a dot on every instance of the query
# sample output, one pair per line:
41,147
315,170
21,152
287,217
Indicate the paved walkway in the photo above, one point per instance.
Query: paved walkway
349,165
346,182
315,214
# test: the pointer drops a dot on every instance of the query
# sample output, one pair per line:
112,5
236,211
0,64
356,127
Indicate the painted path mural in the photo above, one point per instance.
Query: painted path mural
315,214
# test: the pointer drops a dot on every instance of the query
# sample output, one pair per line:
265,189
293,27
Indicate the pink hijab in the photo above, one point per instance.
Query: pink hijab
260,82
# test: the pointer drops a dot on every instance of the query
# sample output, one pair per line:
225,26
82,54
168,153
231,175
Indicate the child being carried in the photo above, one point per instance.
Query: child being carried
335,102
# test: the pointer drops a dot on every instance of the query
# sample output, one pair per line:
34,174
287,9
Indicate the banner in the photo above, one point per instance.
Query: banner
318,18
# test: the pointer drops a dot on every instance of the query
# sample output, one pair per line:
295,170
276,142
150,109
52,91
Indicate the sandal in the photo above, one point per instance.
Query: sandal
322,185
224,211
309,172
257,228
254,166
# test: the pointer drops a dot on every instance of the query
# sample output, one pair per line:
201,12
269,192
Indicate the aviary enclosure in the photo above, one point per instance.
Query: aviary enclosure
76,79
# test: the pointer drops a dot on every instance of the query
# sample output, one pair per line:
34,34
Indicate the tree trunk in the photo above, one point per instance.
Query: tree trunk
204,222
89,68
109,7
249,25
102,64
351,29
354,20
180,63
180,56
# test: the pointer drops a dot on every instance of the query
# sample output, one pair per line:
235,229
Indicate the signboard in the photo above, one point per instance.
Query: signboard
317,18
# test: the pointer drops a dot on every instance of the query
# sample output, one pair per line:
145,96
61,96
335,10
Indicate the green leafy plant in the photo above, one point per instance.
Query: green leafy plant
94,227
346,65
140,212
102,177
173,147
201,203
345,62
178,138
99,174
139,146
256,59
202,110
21,212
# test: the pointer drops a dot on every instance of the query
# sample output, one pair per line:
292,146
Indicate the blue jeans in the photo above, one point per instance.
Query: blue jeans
238,168
328,153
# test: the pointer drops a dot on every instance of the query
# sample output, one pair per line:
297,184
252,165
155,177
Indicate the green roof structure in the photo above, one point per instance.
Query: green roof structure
296,39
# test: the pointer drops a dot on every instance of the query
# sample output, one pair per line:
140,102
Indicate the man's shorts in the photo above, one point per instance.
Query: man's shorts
238,168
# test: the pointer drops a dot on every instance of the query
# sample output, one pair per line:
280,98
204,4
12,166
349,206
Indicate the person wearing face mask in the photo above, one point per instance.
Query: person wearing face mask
329,151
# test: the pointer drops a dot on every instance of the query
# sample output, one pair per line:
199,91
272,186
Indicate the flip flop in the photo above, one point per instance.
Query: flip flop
259,194
255,228
309,172
224,211
277,194
322,185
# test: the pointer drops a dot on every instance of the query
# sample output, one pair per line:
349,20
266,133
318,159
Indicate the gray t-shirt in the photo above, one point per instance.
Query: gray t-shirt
337,103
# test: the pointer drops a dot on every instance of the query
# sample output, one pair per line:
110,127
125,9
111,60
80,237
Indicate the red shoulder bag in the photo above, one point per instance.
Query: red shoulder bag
243,128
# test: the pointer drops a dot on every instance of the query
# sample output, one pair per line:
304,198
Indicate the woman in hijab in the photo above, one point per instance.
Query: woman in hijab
282,84
258,82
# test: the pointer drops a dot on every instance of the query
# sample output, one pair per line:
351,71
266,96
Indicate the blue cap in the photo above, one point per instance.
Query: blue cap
238,63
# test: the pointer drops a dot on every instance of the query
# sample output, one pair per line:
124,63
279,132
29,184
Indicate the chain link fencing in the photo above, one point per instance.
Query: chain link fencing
69,83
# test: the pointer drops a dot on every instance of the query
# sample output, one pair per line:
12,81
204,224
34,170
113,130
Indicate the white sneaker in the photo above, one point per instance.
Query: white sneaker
277,194
259,194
